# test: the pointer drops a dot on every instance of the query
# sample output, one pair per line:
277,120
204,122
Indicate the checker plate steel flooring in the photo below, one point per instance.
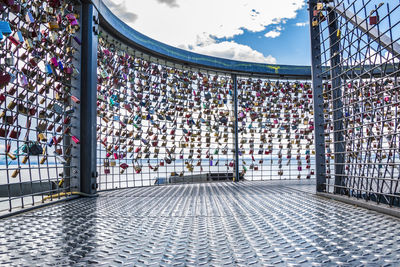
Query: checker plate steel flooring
214,224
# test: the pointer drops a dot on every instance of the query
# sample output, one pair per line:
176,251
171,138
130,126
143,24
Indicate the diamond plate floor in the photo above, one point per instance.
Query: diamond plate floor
250,223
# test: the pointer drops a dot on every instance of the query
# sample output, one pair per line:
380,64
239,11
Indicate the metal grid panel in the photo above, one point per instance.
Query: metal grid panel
360,52
39,43
160,124
275,129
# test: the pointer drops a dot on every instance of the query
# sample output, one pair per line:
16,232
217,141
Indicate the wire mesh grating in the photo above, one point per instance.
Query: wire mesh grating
38,94
360,53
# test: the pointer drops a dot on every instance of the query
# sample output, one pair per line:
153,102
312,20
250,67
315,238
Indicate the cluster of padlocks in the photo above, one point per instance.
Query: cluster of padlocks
370,129
276,127
360,102
37,99
156,119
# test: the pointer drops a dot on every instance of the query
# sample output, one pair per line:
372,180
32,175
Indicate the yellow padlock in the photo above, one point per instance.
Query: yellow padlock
25,159
11,156
15,173
43,160
11,105
42,137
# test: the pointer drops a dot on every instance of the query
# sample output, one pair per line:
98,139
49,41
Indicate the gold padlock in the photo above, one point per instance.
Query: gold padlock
11,156
15,173
43,160
42,137
25,159
11,105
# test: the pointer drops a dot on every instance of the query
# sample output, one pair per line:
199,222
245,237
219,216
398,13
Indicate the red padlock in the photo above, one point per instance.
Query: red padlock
373,20
15,133
124,166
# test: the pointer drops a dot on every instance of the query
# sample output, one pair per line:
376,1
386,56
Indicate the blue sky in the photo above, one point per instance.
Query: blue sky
291,47
267,31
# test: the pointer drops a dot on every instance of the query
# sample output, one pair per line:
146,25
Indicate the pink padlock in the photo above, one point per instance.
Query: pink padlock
75,139
54,61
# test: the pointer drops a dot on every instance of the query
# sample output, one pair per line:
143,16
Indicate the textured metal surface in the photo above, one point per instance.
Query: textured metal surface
242,224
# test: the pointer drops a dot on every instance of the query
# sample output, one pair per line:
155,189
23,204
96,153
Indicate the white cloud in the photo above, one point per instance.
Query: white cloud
170,3
232,50
301,24
272,34
191,22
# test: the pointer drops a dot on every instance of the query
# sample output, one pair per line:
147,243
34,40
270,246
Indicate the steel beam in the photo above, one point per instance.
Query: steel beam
236,131
88,98
373,32
316,72
28,188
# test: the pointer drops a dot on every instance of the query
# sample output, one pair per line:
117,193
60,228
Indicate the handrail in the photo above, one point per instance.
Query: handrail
125,33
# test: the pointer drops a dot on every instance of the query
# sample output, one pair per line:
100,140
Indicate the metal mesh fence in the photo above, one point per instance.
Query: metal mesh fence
161,123
360,53
39,43
275,129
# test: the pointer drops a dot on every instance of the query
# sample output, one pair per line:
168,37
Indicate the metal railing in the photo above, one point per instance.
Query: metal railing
357,46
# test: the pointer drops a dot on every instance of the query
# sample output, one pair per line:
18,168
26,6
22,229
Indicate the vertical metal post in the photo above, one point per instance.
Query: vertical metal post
72,167
88,98
236,131
316,71
334,45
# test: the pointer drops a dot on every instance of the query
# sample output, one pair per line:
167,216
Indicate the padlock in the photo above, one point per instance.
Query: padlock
75,139
43,160
25,159
113,163
15,173
11,156
42,137
373,20
4,130
15,133
58,151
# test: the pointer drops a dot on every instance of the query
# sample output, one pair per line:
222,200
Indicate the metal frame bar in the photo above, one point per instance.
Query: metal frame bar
88,159
316,71
236,134
384,40
335,52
